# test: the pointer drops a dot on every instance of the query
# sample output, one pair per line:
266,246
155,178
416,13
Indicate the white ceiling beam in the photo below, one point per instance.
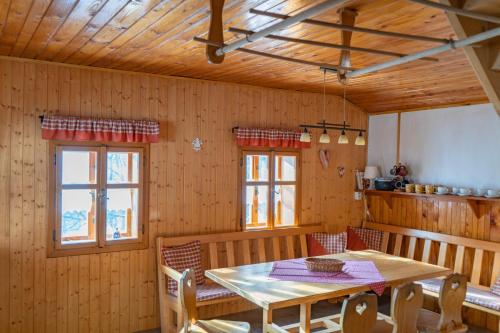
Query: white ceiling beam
483,59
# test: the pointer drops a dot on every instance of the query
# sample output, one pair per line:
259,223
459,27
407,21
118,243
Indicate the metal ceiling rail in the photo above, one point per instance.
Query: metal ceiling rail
291,20
329,45
453,45
328,67
459,11
355,29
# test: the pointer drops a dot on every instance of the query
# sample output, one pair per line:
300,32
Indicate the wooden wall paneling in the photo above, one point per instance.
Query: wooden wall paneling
5,178
116,292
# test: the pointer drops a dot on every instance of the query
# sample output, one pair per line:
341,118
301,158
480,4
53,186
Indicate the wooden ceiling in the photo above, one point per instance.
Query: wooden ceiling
155,36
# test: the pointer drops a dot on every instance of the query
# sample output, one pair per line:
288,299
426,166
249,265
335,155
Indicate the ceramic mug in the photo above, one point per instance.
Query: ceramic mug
455,190
479,192
492,193
419,188
410,188
429,189
465,191
442,190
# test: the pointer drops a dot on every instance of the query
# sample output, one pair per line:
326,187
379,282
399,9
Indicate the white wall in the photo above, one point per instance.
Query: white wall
457,146
382,141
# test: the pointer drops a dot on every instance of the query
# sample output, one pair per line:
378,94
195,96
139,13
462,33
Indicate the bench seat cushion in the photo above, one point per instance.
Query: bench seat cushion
183,257
209,291
474,295
495,288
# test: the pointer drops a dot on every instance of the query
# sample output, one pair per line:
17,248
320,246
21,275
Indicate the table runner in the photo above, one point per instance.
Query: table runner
353,272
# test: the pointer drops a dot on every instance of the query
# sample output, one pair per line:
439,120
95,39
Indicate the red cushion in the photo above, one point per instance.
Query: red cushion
183,257
495,288
354,242
209,291
323,243
372,238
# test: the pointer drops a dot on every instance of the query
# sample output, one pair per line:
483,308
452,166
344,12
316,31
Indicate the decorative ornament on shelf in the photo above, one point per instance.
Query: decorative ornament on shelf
197,143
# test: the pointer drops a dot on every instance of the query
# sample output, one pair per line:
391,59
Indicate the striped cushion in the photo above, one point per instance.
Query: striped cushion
183,257
209,291
474,295
495,288
372,238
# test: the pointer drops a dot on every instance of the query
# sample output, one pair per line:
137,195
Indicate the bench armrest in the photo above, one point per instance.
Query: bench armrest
171,273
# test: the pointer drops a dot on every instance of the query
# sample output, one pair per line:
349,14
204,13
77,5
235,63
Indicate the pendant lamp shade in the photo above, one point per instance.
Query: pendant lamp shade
324,138
360,140
343,139
305,136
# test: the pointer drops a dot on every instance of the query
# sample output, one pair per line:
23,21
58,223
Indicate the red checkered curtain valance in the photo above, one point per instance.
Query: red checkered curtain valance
269,137
111,130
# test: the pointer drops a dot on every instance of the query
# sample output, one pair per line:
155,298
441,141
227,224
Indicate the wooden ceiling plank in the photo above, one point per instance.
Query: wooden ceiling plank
54,17
79,17
17,12
119,24
141,33
33,20
173,35
110,9
479,58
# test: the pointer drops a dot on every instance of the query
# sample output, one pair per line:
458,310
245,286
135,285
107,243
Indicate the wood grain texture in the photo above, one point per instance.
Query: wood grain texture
453,218
155,36
190,193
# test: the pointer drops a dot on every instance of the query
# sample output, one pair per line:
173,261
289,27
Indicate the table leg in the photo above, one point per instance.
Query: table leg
305,318
267,320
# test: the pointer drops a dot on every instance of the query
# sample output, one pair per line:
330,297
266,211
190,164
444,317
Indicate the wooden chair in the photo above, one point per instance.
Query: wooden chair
451,297
359,314
187,294
406,302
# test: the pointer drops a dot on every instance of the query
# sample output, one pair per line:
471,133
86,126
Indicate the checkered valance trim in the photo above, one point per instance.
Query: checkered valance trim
269,137
114,130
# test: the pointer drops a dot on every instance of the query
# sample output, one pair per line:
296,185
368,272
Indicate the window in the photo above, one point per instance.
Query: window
97,199
270,187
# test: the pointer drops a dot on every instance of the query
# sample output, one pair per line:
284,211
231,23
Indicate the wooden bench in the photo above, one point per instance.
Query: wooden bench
397,239
227,250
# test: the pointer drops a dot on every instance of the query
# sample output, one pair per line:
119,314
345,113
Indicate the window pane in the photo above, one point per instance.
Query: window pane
122,213
79,167
78,216
123,167
257,205
257,168
285,167
284,205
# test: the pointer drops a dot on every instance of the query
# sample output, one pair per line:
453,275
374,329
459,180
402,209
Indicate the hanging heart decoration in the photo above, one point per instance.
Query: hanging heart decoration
341,171
324,157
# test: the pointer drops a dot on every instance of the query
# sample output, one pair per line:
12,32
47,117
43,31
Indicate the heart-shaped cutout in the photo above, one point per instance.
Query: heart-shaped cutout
361,308
455,285
324,157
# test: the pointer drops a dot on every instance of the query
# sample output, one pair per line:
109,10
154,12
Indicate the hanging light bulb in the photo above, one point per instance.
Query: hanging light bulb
360,140
305,136
324,138
343,139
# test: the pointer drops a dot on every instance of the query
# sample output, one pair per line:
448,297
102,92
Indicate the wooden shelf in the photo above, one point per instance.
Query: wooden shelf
472,201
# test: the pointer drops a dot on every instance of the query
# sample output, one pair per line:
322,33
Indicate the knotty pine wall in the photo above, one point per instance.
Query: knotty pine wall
447,217
190,192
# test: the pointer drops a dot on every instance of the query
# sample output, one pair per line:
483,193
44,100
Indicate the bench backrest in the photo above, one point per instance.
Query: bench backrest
248,247
396,235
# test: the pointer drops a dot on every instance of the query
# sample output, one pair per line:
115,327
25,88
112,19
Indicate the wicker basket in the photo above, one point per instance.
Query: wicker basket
324,264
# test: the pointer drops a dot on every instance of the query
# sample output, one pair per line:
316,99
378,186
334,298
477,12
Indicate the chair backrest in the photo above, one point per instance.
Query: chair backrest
187,295
451,297
359,313
406,302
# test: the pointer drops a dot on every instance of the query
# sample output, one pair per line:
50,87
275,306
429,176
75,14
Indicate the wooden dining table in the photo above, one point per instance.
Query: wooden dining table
253,283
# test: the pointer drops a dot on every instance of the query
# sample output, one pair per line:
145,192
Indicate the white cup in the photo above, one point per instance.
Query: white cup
492,193
455,190
442,190
479,192
465,191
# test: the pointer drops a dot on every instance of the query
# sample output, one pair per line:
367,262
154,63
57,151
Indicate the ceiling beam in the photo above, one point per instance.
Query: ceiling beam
481,59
